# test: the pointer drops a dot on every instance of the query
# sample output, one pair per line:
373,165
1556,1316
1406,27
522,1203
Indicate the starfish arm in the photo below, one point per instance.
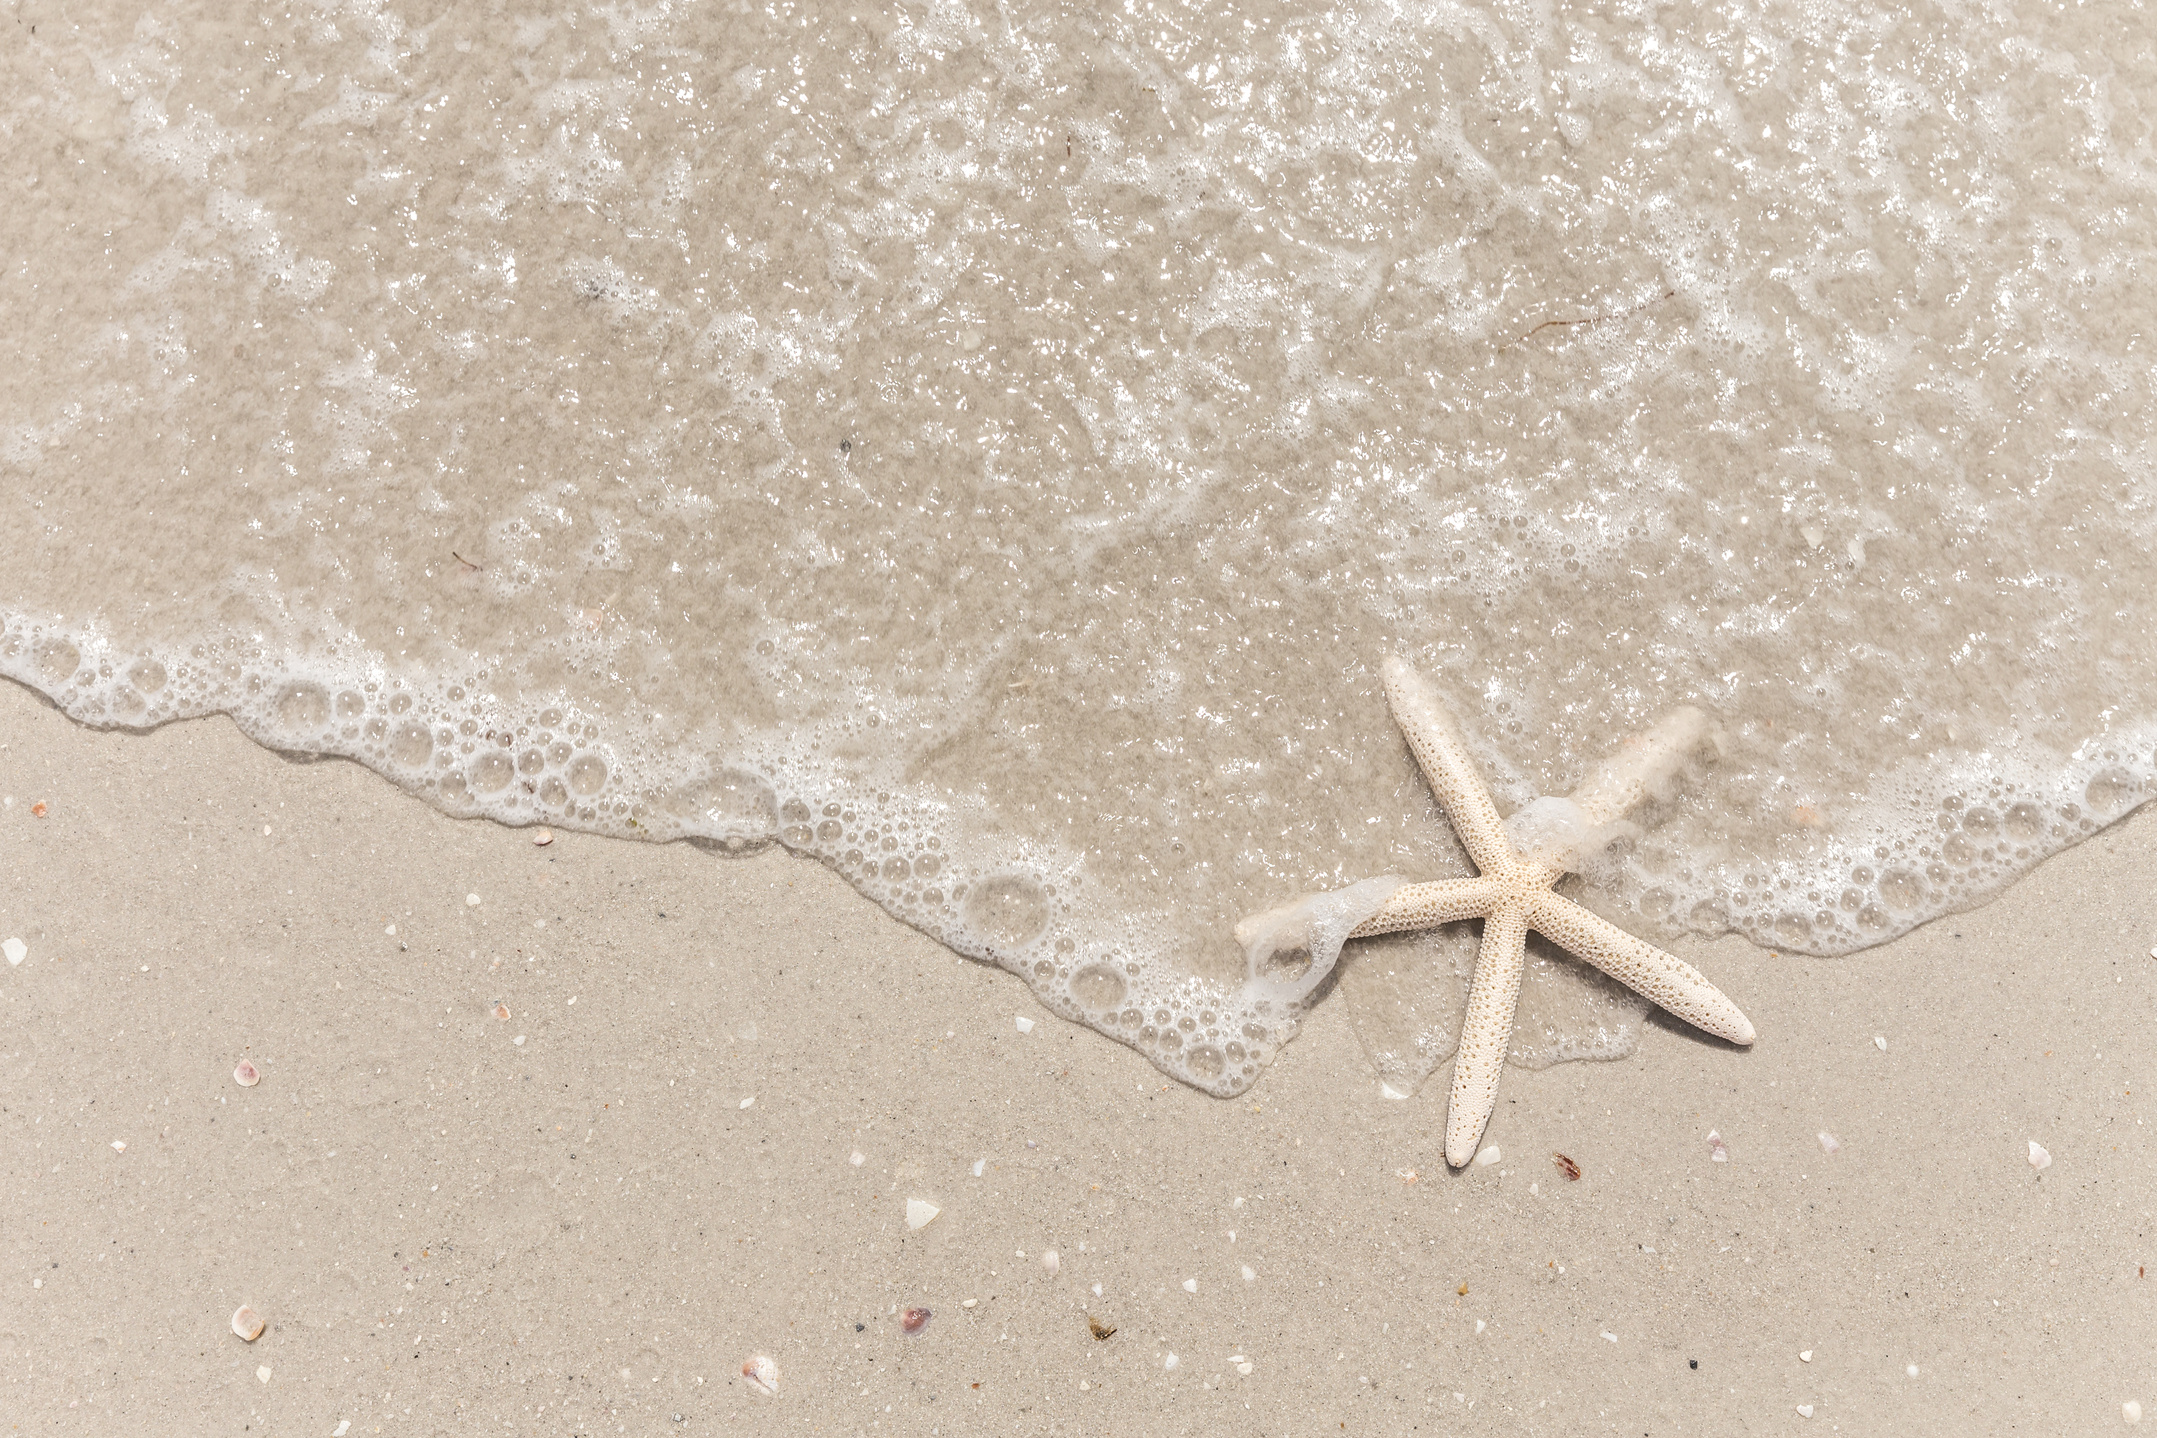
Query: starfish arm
1664,979
1486,1032
1425,906
1435,740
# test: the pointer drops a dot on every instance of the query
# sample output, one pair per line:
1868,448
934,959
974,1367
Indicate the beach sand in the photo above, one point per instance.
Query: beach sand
587,1232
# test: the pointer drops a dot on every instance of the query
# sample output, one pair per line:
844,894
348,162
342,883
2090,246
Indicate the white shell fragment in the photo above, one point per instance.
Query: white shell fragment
247,1323
1244,1369
920,1213
119,1145
344,1426
1829,1142
16,951
1488,1157
518,1040
1026,1025
761,1375
857,1158
1804,1410
2131,1411
1806,1356
1050,1261
1879,1041
1250,1275
471,901
263,1373
749,1102
1170,1362
543,838
980,1164
2040,1158
245,1074
1717,1150
1190,1285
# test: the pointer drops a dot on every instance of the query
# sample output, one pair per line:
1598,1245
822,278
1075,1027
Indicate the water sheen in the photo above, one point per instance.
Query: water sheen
992,448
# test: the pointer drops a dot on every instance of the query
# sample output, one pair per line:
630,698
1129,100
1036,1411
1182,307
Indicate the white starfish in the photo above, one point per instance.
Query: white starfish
1512,894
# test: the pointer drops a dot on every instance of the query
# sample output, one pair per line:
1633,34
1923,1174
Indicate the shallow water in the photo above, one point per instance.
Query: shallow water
993,449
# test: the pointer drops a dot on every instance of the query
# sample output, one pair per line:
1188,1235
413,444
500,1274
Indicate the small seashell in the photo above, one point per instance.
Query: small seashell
1249,1275
39,809
245,1074
518,1040
1480,1325
920,1212
1911,1370
119,1145
471,901
1050,1261
1804,1410
1190,1285
1171,1362
749,1102
913,1320
970,1303
1244,1369
2039,1158
1716,1150
1879,1041
263,1373
1026,1025
543,838
1609,1336
247,1323
761,1374
1829,1142
344,1426
16,951
501,1011
1566,1166
980,1164
1488,1157
856,1158
1806,1356
2131,1411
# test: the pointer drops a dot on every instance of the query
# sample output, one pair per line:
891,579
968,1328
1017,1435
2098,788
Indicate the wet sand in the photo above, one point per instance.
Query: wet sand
588,1231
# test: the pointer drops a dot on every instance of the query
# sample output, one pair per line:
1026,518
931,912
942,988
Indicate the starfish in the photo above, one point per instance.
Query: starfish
1511,894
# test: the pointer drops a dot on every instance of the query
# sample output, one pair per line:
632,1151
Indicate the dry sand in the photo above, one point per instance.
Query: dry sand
586,1233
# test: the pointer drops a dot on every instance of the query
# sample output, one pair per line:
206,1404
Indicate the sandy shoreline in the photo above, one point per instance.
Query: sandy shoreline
588,1231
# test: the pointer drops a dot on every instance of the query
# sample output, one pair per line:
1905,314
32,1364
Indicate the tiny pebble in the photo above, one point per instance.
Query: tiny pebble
1804,1410
1879,1041
245,1074
519,1039
913,1320
543,838
1806,1356
2131,1411
471,901
749,1101
1911,1370
1488,1157
920,1213
16,951
1170,1362
119,1145
1050,1261
263,1374
970,1303
761,1374
1248,1275
1830,1143
1190,1285
1026,1025
247,1323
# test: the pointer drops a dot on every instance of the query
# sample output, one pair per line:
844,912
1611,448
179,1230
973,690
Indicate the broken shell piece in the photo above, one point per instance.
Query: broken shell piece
920,1212
857,1158
1829,1142
247,1323
501,1011
913,1320
245,1074
1050,1261
2039,1158
1488,1157
1716,1149
1879,1041
263,1373
761,1374
1804,1410
1026,1025
16,951
119,1145
1806,1356
543,838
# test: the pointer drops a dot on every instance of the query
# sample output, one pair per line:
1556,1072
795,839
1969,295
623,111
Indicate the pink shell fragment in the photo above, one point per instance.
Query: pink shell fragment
246,1075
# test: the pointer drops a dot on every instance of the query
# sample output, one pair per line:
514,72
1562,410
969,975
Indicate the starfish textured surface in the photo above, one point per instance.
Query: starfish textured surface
1512,893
